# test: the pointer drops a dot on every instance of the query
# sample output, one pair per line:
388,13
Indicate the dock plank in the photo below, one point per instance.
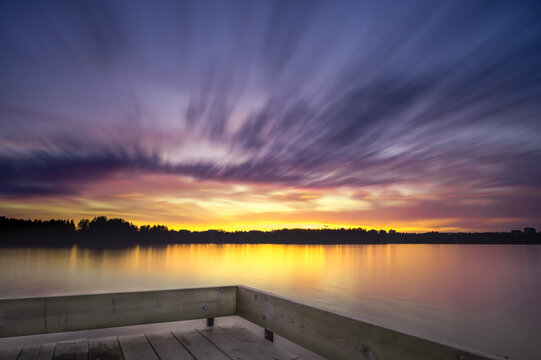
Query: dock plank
46,351
30,352
106,348
239,343
216,343
71,350
10,353
200,346
167,346
136,347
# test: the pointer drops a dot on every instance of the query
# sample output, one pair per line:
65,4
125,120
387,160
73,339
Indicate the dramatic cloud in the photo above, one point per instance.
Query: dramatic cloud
329,112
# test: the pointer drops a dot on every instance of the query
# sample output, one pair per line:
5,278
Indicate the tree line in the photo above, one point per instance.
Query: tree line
115,232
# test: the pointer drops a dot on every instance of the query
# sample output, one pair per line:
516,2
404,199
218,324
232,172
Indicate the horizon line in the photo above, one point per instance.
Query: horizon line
311,227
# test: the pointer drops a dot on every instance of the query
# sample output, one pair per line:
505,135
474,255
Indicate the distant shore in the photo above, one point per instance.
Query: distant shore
103,232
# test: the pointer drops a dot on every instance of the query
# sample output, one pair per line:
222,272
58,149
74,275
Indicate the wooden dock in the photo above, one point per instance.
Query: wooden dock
215,343
323,332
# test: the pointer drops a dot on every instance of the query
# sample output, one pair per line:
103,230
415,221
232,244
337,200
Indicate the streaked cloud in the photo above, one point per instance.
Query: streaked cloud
419,114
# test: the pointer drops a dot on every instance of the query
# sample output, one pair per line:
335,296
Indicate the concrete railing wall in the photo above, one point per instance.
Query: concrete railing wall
324,332
337,336
81,312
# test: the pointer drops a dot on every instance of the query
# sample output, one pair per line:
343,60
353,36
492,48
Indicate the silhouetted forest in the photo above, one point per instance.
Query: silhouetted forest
104,232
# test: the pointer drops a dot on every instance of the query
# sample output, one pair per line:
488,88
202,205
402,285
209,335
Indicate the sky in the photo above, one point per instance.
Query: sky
237,115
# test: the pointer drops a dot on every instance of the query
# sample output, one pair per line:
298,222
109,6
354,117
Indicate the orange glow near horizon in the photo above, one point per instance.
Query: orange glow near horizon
185,203
278,226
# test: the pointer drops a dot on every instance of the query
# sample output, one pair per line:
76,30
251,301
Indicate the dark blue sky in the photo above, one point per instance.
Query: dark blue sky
379,106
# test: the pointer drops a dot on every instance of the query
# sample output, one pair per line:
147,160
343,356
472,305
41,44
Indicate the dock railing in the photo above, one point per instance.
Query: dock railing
327,333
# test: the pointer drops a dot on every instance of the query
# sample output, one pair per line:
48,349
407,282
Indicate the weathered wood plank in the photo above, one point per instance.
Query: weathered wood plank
239,343
167,346
46,351
232,348
136,347
71,350
340,337
200,347
10,353
29,352
106,348
70,313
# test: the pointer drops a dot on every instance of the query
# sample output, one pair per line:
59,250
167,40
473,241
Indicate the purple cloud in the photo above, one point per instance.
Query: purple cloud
305,94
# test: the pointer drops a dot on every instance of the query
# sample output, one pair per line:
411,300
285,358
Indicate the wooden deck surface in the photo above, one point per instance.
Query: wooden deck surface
216,343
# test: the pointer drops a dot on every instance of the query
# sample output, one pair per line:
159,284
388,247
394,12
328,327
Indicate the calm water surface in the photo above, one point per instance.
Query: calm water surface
485,297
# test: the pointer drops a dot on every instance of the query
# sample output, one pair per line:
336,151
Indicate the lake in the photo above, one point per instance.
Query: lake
486,297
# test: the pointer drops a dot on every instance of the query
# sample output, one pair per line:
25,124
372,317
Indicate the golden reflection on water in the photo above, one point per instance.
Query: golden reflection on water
203,265
486,297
